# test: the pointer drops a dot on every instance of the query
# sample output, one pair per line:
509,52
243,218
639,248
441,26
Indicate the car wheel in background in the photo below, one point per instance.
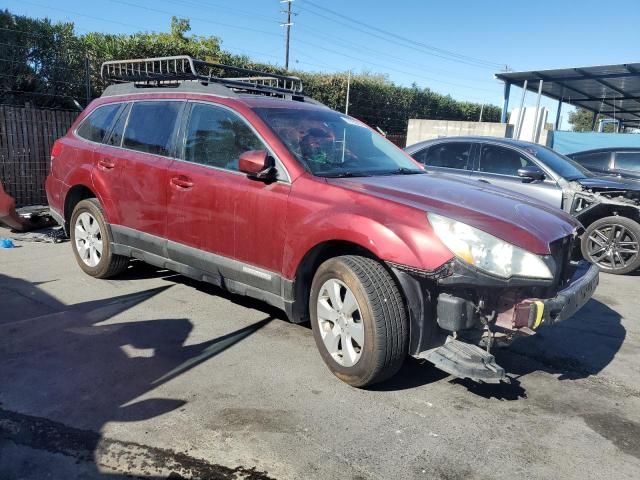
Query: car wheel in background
613,244
90,240
359,320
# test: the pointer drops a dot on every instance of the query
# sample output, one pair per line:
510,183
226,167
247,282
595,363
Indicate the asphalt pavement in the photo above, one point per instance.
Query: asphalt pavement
153,375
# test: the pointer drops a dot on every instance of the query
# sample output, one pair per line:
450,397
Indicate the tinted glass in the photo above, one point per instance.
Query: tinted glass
505,161
217,137
98,123
628,161
330,144
151,126
563,166
597,160
115,137
449,155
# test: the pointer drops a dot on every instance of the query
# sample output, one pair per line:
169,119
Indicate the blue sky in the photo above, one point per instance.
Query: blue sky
457,45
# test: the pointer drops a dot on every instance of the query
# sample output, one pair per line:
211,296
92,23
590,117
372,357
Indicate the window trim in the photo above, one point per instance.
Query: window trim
181,142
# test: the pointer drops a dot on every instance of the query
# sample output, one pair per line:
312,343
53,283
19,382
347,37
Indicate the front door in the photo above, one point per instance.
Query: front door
215,209
499,166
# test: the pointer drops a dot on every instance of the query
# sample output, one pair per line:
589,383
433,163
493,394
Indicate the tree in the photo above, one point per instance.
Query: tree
581,120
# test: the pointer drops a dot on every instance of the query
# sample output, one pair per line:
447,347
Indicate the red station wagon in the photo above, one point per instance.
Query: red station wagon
250,185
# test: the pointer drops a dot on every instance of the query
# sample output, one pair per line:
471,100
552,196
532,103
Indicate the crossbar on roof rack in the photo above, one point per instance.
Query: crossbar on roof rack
160,70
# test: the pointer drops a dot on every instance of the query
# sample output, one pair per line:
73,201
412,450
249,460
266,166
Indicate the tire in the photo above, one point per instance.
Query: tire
611,242
89,227
373,338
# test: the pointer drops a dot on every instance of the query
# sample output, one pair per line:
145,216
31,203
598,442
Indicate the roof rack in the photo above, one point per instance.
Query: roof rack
169,71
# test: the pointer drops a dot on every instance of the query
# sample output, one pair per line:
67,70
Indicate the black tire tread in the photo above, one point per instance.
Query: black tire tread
389,313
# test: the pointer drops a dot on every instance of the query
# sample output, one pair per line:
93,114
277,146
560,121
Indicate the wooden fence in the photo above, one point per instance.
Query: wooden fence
26,137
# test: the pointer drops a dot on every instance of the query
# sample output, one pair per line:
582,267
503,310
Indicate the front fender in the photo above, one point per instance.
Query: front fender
390,240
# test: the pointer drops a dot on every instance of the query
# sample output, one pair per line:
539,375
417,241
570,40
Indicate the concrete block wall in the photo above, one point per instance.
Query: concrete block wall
419,130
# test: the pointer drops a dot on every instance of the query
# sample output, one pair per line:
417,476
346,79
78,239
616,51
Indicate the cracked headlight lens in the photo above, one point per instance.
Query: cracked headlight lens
486,252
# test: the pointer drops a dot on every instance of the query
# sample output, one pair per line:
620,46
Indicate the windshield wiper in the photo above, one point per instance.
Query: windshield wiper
344,174
403,171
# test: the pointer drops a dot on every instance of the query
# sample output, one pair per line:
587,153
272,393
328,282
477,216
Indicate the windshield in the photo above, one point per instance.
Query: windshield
563,166
330,144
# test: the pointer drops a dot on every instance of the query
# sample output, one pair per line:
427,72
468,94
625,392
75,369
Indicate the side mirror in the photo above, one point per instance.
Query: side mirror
258,164
531,174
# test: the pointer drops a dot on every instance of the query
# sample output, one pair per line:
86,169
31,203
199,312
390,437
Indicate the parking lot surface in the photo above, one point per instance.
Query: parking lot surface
154,375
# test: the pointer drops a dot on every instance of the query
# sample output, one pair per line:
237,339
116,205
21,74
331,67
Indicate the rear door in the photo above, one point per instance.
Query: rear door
455,158
498,165
143,154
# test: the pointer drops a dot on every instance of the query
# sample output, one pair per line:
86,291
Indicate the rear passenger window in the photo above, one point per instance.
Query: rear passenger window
504,161
598,160
217,137
449,155
98,123
151,126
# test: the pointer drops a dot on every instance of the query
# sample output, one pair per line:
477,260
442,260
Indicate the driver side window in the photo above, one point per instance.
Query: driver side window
217,137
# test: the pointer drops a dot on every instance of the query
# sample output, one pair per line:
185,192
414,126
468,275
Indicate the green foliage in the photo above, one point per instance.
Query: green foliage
54,63
581,119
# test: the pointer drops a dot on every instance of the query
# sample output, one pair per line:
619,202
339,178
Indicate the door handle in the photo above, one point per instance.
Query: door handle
182,182
106,164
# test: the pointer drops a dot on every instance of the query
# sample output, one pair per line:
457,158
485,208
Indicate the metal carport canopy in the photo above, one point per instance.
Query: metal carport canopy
611,90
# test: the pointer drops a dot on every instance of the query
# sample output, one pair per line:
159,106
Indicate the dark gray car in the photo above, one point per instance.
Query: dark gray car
624,162
607,206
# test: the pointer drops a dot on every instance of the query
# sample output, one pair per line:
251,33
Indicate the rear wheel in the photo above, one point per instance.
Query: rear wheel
91,242
613,244
359,320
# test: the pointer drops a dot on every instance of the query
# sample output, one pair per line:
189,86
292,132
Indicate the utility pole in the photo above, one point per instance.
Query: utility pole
288,34
346,103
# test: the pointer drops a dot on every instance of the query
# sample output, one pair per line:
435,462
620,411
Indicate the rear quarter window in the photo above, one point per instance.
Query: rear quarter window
98,123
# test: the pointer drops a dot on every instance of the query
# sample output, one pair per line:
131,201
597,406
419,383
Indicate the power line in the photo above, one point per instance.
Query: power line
386,35
315,45
389,58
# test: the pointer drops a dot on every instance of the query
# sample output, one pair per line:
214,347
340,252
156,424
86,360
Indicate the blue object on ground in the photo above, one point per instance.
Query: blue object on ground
6,243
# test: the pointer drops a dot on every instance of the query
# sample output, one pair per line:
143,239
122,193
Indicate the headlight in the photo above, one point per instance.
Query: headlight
487,252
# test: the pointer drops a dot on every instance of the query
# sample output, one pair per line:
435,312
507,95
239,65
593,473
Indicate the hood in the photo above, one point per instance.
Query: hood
517,219
609,182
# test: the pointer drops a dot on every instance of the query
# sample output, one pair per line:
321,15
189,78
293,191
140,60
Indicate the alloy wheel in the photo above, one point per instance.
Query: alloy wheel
88,239
613,246
340,322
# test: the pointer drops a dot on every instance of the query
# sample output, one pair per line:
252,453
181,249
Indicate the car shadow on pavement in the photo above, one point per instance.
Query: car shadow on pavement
65,373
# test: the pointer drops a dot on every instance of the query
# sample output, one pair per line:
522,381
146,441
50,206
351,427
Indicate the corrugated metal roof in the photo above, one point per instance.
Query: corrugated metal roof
613,90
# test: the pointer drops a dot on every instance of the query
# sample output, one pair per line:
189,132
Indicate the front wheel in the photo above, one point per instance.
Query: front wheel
613,244
359,320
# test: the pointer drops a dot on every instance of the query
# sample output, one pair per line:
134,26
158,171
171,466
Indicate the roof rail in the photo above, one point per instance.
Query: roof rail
167,71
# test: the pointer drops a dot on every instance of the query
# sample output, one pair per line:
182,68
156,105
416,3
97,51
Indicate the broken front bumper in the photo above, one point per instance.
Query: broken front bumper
572,298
